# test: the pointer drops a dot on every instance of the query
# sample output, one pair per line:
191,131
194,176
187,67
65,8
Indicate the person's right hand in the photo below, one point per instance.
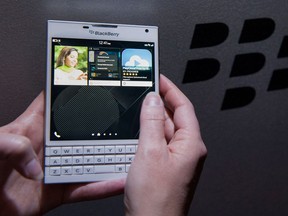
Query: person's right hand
170,156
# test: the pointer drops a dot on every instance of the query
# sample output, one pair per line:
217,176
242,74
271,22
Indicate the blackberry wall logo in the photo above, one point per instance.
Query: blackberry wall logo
209,35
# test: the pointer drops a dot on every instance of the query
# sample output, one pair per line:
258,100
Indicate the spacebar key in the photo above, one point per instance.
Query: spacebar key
104,169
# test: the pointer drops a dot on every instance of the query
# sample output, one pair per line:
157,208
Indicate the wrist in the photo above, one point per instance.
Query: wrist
171,207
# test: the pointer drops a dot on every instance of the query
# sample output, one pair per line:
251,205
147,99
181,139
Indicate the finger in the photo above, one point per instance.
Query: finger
152,120
183,111
37,106
187,131
31,122
92,191
18,152
169,125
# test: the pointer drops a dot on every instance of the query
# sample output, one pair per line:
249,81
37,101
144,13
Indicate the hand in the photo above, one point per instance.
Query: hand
82,76
170,156
21,153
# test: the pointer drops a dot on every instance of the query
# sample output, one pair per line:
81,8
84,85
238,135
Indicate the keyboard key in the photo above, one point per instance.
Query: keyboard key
88,150
120,149
104,169
55,161
88,160
88,169
66,161
109,159
109,149
54,171
66,151
130,149
99,150
77,170
55,151
99,159
66,171
120,168
77,160
77,150
130,158
120,159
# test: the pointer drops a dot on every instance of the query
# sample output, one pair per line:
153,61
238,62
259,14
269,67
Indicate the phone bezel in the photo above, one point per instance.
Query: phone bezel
80,30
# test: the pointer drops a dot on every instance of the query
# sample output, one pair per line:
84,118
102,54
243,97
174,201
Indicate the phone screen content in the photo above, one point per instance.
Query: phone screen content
97,88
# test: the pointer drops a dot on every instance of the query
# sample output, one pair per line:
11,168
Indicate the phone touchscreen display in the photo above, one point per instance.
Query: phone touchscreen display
97,88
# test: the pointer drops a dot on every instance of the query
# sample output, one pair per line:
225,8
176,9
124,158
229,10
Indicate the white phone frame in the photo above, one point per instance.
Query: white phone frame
86,30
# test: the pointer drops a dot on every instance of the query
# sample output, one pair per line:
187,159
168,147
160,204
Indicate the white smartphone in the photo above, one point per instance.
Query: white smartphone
97,77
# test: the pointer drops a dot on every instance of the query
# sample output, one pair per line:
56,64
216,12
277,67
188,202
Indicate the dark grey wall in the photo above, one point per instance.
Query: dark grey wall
246,169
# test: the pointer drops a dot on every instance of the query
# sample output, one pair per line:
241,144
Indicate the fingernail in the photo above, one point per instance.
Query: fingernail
34,170
153,99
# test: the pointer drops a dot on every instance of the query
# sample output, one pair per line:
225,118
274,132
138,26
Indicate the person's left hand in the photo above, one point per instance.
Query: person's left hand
82,76
21,149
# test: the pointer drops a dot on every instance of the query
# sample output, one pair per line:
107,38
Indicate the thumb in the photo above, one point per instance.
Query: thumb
37,106
152,120
17,151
